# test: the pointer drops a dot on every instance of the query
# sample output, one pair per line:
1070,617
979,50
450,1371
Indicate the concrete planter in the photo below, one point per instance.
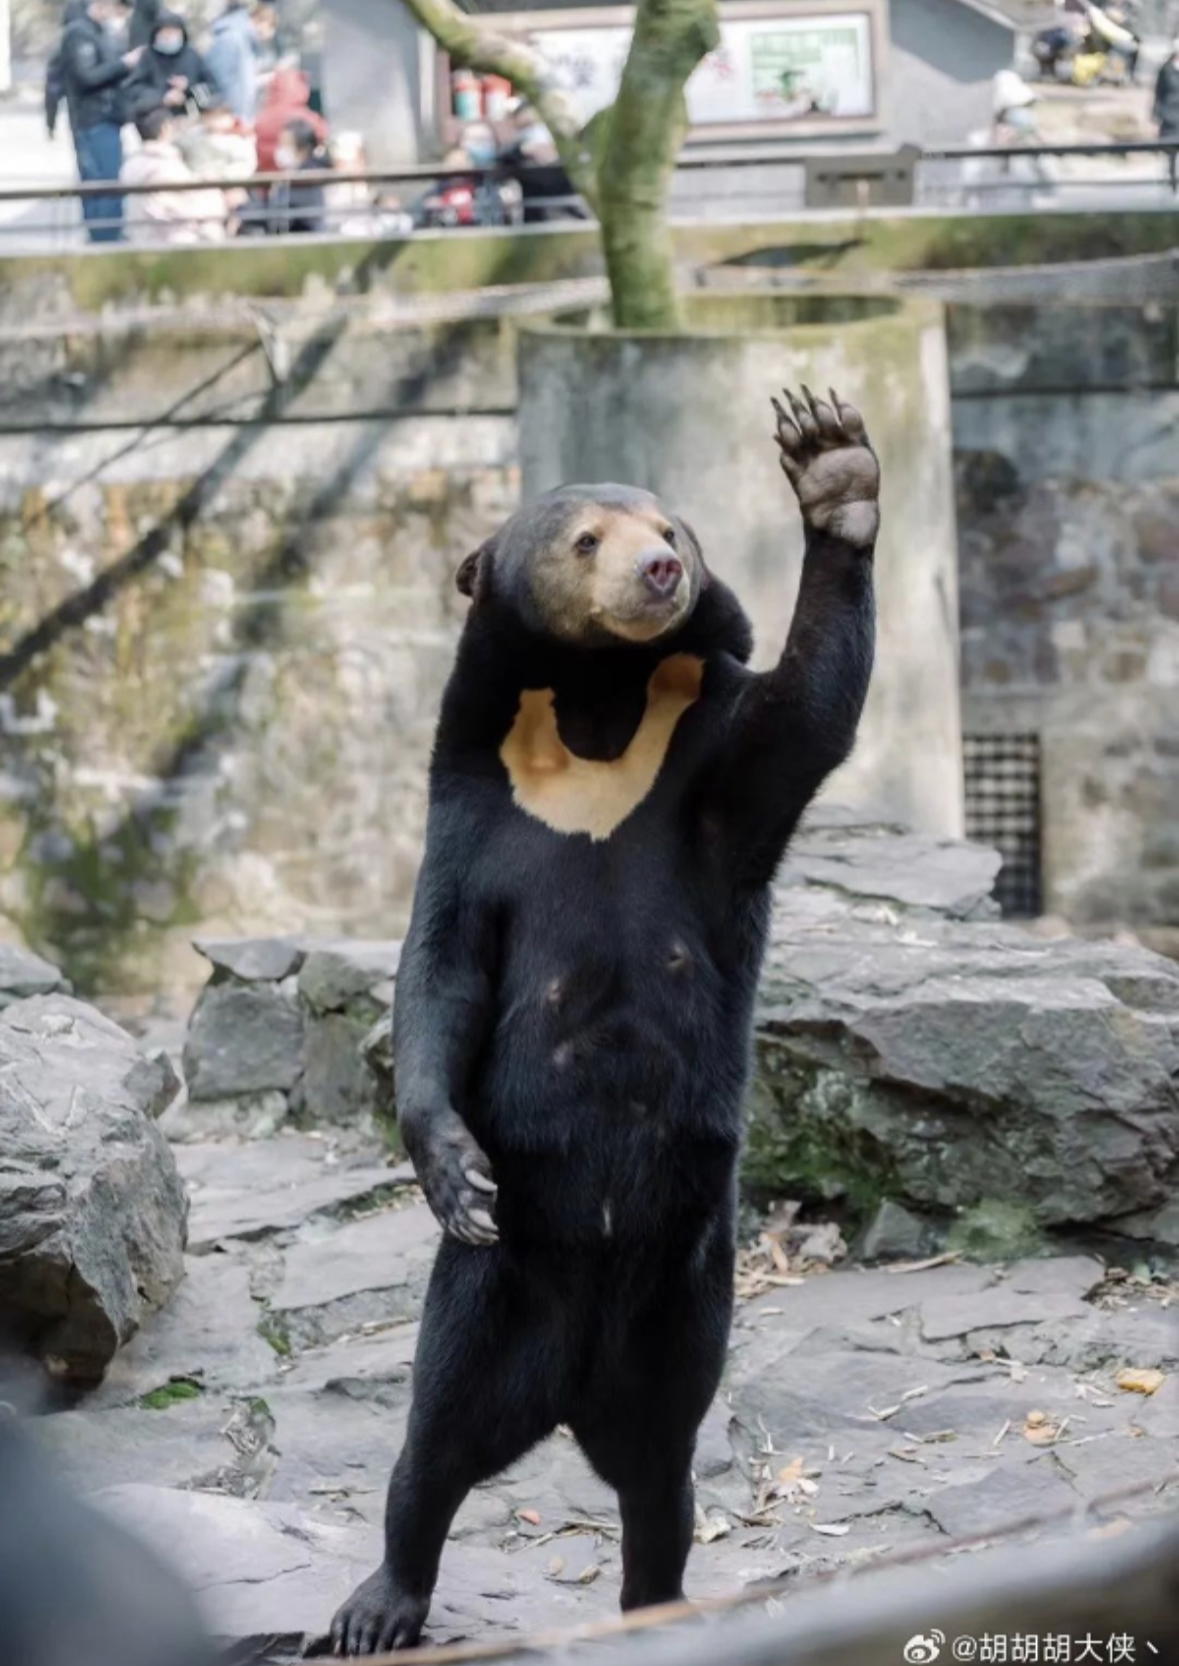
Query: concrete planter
688,416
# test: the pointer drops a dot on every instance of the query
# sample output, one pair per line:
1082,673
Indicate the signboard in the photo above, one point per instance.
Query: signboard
775,70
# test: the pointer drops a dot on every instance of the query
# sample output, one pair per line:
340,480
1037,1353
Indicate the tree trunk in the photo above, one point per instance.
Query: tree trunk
474,43
645,130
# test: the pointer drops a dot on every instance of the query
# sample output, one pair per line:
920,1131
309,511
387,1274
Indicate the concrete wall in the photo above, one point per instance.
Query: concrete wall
687,417
1066,431
944,57
374,57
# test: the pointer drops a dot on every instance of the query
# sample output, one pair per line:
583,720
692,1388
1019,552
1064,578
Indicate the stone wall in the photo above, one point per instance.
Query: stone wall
221,644
1066,429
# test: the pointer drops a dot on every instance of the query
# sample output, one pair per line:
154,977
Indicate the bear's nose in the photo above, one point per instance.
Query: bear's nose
660,572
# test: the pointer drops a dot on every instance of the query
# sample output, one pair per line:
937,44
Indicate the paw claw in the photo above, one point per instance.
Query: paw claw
828,459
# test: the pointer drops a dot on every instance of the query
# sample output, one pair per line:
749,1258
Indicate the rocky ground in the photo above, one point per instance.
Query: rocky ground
249,1427
930,1085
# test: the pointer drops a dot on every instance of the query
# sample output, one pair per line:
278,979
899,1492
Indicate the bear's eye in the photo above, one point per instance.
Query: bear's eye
587,543
669,535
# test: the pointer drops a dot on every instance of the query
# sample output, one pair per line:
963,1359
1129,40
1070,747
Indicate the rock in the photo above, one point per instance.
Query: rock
895,1234
856,861
288,1016
335,976
253,959
336,1084
252,1193
92,1210
948,1063
207,1335
243,1039
245,1116
23,974
370,1270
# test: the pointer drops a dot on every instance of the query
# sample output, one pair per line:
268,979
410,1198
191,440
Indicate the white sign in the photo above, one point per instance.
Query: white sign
766,69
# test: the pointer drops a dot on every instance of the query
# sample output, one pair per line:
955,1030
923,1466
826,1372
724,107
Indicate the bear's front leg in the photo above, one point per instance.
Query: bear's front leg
794,724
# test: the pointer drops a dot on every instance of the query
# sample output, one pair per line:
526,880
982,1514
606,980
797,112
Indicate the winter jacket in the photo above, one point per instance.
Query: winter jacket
93,74
286,101
165,216
1166,100
299,207
151,76
55,89
232,59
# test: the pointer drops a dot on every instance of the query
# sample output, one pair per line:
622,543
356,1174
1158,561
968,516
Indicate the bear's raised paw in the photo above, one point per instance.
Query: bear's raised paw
828,459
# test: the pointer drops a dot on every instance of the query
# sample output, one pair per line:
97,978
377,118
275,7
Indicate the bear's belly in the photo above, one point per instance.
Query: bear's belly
610,1103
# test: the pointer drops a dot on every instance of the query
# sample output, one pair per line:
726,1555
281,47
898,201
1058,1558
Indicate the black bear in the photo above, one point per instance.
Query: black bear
610,793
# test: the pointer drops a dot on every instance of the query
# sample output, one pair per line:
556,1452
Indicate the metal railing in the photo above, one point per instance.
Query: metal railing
726,183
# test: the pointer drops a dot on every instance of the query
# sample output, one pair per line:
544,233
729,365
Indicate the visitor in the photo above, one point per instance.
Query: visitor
233,59
1013,104
287,100
94,74
218,145
55,90
264,17
165,215
1166,106
530,158
299,207
170,72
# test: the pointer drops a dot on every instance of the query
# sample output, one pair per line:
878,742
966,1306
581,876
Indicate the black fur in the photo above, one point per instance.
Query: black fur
573,1023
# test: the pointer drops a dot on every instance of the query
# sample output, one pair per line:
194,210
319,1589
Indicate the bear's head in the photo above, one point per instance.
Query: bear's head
591,565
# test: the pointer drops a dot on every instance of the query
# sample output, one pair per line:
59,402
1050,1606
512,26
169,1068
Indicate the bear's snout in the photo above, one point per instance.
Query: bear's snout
660,572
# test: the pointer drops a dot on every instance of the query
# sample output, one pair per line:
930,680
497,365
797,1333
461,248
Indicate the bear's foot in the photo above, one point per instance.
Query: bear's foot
827,458
378,1617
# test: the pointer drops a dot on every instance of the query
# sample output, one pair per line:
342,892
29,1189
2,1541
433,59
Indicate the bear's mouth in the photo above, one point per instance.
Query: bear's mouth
647,616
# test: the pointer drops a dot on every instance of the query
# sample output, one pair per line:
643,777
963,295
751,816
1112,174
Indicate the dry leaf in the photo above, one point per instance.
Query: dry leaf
532,1517
834,1530
792,1472
588,1575
1143,1380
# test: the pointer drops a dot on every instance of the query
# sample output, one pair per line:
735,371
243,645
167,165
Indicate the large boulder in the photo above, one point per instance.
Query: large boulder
92,1210
949,1063
23,973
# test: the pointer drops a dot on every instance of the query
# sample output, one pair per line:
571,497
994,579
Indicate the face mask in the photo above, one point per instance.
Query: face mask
170,45
285,159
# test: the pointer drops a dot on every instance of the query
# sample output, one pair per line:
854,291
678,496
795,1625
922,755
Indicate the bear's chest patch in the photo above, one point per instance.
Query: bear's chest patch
572,794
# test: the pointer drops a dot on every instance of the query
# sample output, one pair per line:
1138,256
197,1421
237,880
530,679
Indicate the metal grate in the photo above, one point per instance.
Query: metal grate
1003,810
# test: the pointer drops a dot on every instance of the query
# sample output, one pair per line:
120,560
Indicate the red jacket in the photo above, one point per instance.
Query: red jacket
286,101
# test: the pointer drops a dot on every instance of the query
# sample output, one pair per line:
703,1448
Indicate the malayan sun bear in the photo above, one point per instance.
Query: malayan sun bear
610,793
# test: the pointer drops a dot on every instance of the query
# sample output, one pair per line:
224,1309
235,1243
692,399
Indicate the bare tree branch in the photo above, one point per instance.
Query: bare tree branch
472,44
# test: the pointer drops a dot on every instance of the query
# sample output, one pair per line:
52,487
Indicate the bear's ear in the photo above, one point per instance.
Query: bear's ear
471,578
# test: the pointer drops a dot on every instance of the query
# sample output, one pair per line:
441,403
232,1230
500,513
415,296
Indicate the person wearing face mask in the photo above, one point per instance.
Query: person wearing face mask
171,72
94,74
286,101
297,207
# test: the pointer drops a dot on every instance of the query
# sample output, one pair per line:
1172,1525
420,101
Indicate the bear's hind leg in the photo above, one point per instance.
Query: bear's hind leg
637,1425
486,1389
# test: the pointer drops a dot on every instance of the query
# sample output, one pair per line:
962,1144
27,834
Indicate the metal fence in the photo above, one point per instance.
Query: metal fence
714,184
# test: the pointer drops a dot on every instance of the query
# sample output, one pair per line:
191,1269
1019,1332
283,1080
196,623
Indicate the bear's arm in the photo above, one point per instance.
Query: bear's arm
442,1012
789,727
